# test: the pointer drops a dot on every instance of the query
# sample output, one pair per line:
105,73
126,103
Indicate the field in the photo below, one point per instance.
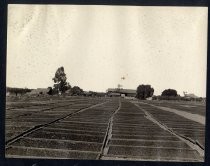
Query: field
104,128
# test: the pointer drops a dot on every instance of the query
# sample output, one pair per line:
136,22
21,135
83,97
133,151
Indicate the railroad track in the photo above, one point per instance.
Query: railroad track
69,130
115,130
188,129
38,127
134,135
19,122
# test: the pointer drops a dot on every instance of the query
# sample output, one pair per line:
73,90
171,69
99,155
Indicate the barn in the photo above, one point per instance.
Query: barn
121,92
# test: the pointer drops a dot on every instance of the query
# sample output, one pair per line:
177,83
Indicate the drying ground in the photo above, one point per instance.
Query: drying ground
104,128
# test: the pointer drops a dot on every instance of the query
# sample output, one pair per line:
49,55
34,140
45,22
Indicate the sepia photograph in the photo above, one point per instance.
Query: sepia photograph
105,82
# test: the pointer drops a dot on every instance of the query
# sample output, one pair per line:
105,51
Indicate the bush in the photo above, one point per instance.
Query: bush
77,91
169,92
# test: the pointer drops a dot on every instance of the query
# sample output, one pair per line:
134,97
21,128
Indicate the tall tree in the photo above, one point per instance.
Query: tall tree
60,85
144,91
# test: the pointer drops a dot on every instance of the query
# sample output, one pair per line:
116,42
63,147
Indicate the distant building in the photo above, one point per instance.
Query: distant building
94,94
39,91
121,92
149,98
86,93
68,92
190,95
113,94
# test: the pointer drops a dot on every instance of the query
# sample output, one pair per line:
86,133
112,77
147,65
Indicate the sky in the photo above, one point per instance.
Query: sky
165,47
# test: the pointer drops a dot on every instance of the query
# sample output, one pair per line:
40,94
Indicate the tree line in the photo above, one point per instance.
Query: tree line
145,91
61,86
17,91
